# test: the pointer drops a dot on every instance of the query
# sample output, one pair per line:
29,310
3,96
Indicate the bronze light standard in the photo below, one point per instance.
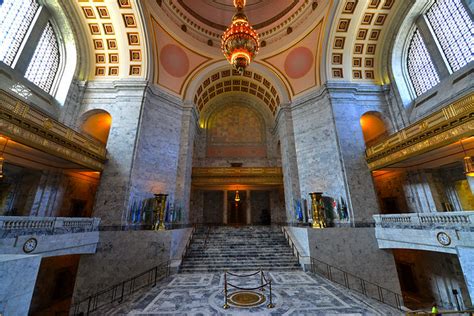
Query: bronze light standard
159,211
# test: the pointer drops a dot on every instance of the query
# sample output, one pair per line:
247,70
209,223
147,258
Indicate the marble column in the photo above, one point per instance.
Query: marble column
248,208
225,207
466,259
123,100
284,126
189,125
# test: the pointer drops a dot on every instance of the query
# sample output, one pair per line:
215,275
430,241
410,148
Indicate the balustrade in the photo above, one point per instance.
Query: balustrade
11,226
426,220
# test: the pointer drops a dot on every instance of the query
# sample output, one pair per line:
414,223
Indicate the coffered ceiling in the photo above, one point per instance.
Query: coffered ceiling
172,43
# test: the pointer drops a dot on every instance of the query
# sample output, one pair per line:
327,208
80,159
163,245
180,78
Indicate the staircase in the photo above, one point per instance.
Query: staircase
248,248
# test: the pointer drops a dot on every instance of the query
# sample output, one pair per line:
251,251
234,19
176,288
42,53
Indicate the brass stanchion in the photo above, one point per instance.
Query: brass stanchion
318,217
261,281
270,305
159,211
226,306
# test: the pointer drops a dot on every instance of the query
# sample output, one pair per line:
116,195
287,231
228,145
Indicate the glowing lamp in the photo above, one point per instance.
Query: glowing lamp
240,42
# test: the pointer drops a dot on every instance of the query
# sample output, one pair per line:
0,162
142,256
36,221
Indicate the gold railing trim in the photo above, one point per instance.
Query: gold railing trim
445,126
29,126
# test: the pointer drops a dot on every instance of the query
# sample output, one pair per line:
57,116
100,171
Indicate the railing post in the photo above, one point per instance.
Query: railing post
270,305
156,276
380,293
226,306
89,305
346,280
123,289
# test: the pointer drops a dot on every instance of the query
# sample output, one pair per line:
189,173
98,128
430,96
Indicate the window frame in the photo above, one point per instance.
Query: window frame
24,56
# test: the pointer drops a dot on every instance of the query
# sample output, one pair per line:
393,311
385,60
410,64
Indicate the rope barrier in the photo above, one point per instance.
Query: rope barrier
247,289
243,275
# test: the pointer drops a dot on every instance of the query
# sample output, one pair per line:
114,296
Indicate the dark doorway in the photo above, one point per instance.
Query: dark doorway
407,277
213,206
237,213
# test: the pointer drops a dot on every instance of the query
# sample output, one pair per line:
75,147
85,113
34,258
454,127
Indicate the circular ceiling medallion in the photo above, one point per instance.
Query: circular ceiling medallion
174,60
298,62
246,299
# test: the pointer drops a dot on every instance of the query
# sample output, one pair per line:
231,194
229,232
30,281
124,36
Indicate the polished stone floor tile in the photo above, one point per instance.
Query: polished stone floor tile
294,293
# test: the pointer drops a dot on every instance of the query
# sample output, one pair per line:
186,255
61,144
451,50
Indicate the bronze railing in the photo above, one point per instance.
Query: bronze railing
349,280
118,292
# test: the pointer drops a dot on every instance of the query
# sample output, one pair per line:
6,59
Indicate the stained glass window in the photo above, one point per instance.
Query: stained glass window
15,18
45,62
421,70
454,29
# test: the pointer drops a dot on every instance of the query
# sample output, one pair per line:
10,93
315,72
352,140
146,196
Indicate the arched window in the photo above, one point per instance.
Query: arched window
453,28
45,62
421,70
16,17
29,44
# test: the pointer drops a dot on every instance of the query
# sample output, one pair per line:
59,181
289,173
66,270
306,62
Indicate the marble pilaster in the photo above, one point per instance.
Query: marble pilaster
287,136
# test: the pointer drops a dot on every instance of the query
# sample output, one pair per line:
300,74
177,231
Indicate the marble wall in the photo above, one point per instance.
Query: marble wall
155,158
320,166
120,255
18,276
123,100
355,250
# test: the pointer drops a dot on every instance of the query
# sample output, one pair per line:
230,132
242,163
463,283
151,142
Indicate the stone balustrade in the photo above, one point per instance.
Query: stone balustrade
459,220
440,232
24,225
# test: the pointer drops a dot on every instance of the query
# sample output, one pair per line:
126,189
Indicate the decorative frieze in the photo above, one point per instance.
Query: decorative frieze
248,176
443,127
26,125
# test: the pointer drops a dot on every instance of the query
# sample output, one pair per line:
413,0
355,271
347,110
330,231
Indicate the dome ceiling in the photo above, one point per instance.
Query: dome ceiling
218,13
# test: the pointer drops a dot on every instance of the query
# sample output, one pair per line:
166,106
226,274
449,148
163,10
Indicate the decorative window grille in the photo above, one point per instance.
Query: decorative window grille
454,29
45,62
421,70
15,18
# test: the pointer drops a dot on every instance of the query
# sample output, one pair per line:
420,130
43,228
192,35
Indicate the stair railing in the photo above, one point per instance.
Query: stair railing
294,249
119,291
263,283
350,280
188,244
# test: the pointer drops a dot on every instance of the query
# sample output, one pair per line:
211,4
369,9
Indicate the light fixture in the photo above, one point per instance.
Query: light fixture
240,42
468,167
237,196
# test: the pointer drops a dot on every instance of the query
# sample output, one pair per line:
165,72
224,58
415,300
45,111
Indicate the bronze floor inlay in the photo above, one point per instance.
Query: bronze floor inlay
246,299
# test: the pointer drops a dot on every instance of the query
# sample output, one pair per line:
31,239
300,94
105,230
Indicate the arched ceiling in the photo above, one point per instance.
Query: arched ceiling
228,81
358,32
114,32
305,42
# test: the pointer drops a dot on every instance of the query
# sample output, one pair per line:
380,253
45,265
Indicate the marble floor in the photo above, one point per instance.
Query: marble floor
294,293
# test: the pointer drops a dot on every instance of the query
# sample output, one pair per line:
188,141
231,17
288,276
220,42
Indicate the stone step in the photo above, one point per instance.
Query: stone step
238,249
236,269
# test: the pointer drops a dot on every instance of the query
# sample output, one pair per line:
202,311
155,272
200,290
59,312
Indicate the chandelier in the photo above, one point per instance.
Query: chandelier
240,42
